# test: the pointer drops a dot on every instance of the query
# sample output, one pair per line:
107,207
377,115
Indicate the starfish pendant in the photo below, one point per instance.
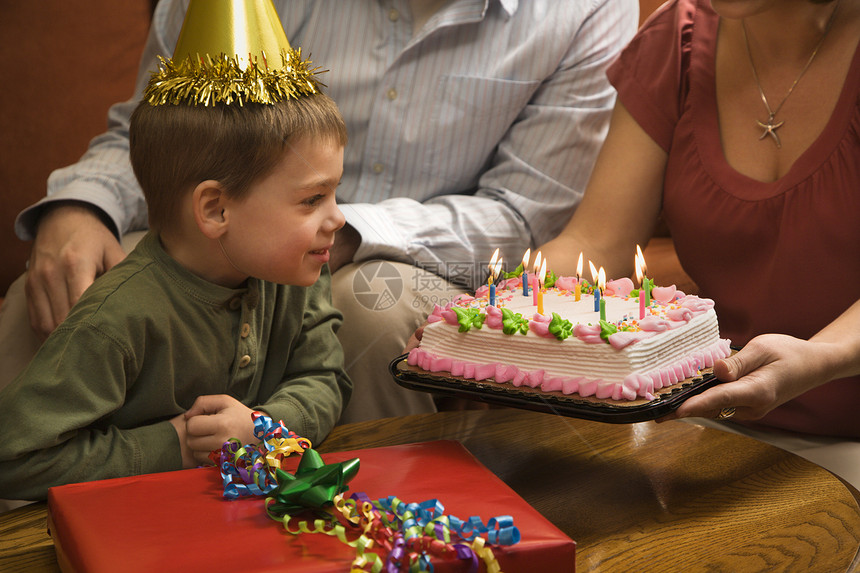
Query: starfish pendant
770,129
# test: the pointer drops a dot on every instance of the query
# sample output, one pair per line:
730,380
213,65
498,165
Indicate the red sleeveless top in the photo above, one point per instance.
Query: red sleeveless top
780,257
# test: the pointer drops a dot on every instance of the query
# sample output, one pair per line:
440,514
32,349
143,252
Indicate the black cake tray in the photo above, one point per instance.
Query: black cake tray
666,401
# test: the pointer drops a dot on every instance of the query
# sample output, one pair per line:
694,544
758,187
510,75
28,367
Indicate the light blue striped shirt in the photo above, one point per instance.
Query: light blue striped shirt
478,132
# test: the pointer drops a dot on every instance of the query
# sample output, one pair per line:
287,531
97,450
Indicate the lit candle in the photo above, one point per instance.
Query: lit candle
525,272
601,284
536,275
578,292
645,283
541,278
492,267
639,276
595,291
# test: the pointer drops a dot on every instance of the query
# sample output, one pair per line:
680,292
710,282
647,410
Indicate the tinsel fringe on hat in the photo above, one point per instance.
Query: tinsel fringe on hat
207,81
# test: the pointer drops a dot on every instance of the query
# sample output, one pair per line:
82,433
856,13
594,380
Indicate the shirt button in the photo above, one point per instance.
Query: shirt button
246,330
393,15
378,167
235,303
392,94
244,361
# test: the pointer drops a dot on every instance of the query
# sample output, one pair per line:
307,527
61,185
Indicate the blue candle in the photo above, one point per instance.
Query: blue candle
596,299
492,294
525,274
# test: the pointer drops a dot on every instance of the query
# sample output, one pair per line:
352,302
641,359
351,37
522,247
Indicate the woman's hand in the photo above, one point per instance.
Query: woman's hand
415,339
769,371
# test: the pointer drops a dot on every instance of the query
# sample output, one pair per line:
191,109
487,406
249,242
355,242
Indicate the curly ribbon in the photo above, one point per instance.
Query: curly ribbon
395,536
250,469
392,535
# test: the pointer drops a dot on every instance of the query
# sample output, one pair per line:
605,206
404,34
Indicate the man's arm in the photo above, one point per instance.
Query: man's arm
530,184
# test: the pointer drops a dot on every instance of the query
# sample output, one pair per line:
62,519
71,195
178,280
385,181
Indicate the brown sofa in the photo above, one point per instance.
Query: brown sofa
63,67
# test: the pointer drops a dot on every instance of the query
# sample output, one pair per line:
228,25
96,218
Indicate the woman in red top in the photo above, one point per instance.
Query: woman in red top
740,122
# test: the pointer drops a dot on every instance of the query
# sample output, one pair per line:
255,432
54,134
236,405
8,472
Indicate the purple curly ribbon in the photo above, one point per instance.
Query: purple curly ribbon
413,519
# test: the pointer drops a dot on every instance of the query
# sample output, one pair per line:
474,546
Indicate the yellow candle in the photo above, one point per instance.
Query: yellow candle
541,278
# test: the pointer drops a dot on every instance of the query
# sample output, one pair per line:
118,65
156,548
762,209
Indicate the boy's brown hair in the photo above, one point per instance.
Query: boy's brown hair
175,147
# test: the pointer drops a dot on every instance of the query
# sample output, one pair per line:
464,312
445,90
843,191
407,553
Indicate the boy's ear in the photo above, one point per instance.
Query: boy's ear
209,203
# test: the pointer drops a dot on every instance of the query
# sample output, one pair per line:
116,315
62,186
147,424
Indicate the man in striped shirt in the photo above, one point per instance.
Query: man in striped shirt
473,125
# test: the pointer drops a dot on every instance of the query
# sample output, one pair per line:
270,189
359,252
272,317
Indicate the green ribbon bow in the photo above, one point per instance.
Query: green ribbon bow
312,487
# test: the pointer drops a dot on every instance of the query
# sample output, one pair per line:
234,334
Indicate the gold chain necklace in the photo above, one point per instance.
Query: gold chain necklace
770,127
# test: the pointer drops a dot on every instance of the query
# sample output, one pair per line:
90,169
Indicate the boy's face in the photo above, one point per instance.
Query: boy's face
283,229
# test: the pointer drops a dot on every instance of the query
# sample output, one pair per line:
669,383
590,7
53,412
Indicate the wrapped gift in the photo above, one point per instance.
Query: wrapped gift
180,521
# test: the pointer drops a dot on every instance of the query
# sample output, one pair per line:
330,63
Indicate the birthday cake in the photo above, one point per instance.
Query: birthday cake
566,344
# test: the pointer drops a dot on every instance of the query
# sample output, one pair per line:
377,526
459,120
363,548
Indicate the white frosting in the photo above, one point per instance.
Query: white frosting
658,351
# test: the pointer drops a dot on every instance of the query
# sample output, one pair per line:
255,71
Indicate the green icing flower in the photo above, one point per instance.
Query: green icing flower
560,327
469,317
607,329
551,277
517,272
514,323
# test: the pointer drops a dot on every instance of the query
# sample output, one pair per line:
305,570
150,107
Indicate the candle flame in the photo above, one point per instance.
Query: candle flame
536,268
638,263
497,270
579,267
542,274
601,280
493,260
593,271
642,261
526,259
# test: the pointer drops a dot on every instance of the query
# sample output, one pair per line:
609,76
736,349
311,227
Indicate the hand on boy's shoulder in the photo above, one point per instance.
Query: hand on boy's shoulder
214,419
73,246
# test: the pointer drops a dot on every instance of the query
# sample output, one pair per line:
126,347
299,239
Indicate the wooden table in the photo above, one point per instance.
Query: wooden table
640,497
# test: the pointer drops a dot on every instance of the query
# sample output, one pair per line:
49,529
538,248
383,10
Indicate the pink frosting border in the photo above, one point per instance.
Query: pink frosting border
632,387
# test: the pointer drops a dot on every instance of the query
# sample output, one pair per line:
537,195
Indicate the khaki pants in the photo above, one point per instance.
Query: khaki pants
383,303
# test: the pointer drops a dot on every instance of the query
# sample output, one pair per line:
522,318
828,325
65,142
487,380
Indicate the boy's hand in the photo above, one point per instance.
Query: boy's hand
212,420
188,460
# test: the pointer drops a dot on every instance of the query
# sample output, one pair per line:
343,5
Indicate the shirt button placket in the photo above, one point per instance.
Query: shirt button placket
244,345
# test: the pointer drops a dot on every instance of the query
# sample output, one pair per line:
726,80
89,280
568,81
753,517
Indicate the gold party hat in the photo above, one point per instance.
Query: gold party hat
231,51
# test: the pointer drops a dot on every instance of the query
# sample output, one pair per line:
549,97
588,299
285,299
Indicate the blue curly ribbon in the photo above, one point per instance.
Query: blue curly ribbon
250,469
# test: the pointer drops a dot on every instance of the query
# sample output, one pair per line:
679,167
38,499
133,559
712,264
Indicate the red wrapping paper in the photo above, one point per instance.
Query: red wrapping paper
180,521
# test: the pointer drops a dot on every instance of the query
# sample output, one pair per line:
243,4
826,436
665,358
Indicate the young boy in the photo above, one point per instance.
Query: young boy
167,355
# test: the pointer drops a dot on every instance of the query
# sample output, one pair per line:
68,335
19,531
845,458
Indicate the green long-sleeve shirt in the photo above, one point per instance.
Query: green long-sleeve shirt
145,340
